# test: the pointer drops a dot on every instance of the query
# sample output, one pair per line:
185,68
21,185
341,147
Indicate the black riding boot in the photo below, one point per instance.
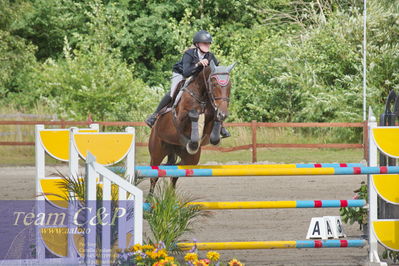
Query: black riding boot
224,133
150,121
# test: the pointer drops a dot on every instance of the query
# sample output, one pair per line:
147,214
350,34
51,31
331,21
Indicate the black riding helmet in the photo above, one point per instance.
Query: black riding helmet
202,36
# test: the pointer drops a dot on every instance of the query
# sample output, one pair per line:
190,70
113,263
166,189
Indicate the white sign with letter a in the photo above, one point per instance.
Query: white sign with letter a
320,228
336,226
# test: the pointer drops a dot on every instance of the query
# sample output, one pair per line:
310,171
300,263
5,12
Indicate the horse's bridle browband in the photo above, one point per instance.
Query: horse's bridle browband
210,92
208,87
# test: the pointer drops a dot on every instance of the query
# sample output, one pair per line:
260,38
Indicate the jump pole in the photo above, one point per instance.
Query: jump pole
120,169
153,173
279,204
274,244
294,204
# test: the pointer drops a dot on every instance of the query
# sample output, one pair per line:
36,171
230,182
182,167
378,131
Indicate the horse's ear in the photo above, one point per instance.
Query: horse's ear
230,67
213,66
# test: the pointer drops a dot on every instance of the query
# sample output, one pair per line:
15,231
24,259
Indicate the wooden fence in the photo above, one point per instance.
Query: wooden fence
253,125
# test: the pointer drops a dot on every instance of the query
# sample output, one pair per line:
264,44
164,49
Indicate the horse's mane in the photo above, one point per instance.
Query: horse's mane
199,77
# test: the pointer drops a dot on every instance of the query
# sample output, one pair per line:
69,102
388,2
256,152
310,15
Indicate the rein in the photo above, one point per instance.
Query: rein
209,90
199,99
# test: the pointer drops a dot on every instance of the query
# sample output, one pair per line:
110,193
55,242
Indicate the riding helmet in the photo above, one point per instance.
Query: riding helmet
202,36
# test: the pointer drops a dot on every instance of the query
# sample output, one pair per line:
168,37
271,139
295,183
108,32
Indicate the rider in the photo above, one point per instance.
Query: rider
194,60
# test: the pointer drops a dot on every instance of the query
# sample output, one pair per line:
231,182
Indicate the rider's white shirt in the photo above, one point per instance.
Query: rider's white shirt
200,55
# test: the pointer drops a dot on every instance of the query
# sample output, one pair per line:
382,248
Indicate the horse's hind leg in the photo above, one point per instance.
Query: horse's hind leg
187,159
157,153
172,158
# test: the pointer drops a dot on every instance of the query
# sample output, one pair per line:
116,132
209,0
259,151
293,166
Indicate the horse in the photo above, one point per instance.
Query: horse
193,122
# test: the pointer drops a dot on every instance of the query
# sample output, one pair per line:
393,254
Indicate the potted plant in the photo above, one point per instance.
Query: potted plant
360,215
357,214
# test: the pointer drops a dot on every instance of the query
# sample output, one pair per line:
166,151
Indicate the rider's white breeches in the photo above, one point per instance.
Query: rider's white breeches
176,78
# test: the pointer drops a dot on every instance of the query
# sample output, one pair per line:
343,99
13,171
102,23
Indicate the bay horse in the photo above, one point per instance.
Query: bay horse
194,122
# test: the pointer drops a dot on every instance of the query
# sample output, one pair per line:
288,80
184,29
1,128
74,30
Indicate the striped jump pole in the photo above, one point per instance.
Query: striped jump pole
251,166
355,243
246,205
121,169
279,204
153,173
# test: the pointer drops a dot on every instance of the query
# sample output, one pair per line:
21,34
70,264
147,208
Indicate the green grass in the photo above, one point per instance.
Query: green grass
273,155
25,156
21,156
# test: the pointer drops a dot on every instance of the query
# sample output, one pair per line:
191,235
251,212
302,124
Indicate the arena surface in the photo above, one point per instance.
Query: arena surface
246,225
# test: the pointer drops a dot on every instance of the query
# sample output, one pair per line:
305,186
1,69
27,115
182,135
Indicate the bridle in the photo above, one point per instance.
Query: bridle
219,116
210,93
209,88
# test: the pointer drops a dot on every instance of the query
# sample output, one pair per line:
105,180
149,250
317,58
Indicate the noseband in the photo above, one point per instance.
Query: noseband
209,88
209,91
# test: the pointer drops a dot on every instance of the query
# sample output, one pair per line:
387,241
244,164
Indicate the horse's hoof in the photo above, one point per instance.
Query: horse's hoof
214,141
192,150
193,145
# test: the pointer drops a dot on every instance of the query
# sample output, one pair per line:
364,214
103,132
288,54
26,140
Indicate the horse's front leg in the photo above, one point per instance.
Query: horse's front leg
215,134
197,127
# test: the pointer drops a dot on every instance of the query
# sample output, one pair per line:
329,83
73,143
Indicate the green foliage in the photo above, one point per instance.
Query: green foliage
312,73
298,60
12,13
392,255
356,214
92,79
17,59
170,216
47,22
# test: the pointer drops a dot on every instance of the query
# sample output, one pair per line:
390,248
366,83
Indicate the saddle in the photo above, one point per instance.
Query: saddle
176,96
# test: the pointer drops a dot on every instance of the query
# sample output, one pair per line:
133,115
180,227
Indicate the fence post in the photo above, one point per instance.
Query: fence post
253,126
365,141
89,119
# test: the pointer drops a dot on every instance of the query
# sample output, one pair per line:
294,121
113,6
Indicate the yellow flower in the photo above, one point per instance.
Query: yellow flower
169,258
148,247
153,255
235,262
162,253
213,256
137,247
139,258
191,257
